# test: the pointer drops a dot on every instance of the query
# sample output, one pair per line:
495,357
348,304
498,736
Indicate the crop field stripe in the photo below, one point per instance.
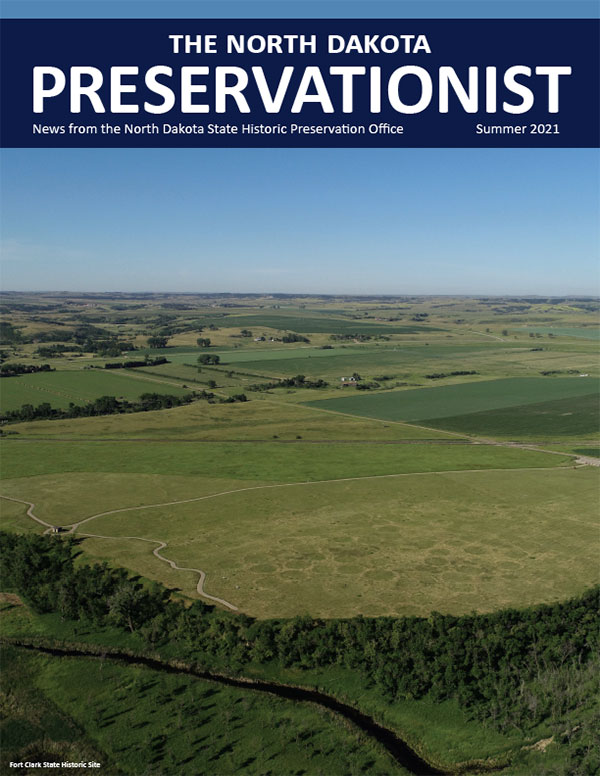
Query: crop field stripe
529,419
440,401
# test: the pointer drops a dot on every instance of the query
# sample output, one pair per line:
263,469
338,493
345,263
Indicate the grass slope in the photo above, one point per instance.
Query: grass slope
249,421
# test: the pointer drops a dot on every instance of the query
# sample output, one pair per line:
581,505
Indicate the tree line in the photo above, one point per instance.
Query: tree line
440,375
515,668
12,370
299,381
133,364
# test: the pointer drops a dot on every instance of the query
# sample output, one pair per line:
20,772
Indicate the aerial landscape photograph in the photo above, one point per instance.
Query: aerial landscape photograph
300,456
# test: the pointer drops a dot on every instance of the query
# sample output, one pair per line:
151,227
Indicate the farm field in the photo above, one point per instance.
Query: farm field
268,461
61,388
441,401
560,417
404,360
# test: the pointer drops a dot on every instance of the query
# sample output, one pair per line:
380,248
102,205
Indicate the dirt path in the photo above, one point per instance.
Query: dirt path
161,545
487,334
585,460
156,552
31,507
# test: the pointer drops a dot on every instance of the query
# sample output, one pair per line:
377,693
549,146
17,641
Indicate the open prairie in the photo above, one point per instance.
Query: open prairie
372,545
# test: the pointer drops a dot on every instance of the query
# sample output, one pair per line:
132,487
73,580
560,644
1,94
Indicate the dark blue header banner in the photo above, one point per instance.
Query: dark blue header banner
300,83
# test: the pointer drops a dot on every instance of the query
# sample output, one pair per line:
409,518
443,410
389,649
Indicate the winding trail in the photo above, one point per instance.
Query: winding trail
31,507
156,552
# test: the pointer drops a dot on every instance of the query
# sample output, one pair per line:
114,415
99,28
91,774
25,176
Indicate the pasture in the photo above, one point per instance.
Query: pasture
59,389
254,420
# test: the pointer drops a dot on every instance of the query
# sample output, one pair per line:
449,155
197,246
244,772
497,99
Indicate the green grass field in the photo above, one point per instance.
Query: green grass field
373,546
369,359
268,462
253,420
61,388
448,400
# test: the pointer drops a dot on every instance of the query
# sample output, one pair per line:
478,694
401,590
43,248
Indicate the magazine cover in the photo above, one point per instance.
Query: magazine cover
299,388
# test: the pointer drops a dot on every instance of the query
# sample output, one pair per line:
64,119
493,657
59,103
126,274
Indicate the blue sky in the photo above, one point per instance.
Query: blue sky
524,9
491,221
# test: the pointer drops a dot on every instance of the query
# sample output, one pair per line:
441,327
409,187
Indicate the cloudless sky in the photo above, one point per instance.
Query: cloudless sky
419,9
494,221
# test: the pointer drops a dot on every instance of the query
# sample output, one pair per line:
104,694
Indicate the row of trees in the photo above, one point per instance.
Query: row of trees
299,381
136,363
440,375
514,667
12,370
104,405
